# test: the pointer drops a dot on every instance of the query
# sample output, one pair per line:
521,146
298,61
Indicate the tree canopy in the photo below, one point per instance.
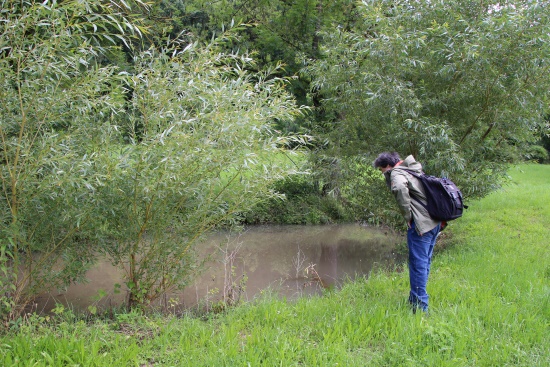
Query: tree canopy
462,86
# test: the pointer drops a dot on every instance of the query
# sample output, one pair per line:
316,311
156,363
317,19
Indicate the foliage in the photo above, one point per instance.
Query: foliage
119,135
489,307
460,86
301,202
277,31
135,164
545,135
52,92
199,136
536,153
374,205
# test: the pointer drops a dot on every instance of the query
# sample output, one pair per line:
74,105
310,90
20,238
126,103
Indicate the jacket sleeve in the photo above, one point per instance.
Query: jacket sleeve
400,189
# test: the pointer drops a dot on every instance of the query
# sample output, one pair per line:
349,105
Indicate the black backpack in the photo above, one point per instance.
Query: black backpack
444,199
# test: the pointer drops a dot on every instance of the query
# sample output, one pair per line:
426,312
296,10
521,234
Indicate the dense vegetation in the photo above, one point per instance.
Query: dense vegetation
489,307
128,130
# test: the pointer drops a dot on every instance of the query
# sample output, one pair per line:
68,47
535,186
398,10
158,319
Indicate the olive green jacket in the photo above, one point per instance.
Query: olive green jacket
403,185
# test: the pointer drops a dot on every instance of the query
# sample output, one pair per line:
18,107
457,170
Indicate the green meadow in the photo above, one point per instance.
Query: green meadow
490,306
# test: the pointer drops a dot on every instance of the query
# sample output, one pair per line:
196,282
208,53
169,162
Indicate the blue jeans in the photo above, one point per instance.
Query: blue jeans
421,248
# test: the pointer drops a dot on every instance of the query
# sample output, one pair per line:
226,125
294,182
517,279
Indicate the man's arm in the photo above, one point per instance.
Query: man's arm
400,189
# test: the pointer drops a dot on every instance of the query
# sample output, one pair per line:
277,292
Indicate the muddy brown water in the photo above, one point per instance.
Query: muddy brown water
289,261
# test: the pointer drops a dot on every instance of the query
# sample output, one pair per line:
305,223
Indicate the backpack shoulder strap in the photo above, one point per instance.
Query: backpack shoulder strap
418,176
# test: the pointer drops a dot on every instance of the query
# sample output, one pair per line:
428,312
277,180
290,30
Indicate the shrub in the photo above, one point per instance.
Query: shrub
536,153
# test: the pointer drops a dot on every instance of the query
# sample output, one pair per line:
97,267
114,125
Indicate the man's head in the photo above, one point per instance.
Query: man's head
386,161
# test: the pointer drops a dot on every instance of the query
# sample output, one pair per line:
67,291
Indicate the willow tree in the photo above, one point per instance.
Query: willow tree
53,90
196,149
133,164
461,85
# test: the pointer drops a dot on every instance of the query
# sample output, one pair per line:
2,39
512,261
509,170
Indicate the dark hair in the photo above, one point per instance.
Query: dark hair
387,159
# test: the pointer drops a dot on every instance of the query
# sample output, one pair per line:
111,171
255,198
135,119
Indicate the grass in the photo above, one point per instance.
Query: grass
490,306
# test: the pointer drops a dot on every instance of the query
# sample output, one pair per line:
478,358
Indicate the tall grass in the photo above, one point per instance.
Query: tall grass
490,306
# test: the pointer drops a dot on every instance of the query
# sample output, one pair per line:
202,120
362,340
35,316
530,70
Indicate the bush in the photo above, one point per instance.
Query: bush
55,98
536,153
302,202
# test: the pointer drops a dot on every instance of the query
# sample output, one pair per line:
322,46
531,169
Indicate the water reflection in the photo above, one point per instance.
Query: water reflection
290,261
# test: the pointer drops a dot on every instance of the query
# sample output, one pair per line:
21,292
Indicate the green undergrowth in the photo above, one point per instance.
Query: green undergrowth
304,203
490,306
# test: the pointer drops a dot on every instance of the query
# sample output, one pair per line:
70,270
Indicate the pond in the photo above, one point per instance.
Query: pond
290,261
